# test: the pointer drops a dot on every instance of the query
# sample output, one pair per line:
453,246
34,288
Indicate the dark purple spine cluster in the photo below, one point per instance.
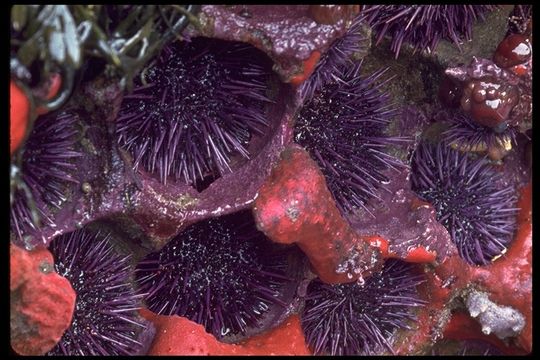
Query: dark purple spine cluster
105,320
361,319
337,56
200,105
343,127
467,133
47,171
221,273
423,26
470,198
520,20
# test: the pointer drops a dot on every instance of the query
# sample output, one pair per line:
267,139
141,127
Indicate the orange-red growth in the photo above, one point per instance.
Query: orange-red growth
177,335
41,302
295,206
420,255
308,67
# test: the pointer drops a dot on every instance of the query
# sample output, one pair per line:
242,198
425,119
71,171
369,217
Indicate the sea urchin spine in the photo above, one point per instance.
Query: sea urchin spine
47,170
354,319
342,127
200,104
423,26
219,273
470,199
337,56
105,321
467,135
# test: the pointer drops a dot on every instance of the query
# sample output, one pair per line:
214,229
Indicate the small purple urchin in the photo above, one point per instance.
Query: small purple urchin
468,134
221,273
355,319
422,26
337,56
105,320
479,214
202,103
47,170
342,127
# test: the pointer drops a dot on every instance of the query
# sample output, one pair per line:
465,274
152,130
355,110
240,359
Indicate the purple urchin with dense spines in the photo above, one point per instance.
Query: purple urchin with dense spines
202,102
479,214
342,127
354,319
337,56
105,320
47,171
221,273
423,26
466,133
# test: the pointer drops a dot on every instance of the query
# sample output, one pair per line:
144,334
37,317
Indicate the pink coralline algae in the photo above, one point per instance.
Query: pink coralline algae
41,302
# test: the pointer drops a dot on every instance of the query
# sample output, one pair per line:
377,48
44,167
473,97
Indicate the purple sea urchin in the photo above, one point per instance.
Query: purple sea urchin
478,213
422,26
200,105
105,321
354,319
47,170
335,58
221,273
342,127
469,135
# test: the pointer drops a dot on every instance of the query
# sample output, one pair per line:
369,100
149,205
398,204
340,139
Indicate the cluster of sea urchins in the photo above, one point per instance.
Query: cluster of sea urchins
470,198
354,319
342,126
105,320
195,108
47,170
192,114
423,26
221,273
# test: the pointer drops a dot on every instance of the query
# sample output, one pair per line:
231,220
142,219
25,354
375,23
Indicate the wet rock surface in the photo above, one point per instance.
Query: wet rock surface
289,34
408,224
